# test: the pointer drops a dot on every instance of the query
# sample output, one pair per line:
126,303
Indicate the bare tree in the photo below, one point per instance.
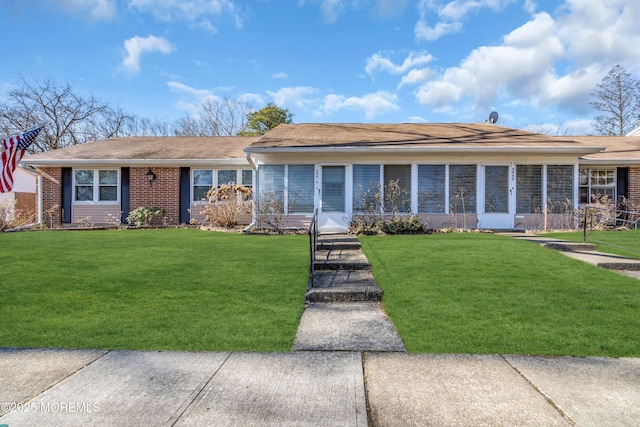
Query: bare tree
618,98
69,117
215,118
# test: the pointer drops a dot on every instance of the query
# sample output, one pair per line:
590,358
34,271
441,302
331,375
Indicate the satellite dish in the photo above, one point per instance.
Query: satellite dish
493,117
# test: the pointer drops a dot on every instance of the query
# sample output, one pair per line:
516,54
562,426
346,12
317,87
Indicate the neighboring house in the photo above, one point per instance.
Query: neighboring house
451,175
23,195
101,182
634,132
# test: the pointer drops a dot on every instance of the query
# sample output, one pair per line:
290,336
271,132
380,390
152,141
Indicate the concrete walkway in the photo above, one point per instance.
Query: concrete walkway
127,388
342,310
585,252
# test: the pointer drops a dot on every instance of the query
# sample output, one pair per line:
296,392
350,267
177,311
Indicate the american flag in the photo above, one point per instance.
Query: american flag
14,149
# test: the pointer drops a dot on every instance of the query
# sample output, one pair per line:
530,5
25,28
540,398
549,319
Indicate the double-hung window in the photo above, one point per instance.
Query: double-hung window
596,184
205,179
95,185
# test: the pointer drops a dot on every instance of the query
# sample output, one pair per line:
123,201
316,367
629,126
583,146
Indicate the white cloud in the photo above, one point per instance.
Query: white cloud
189,10
256,100
137,46
417,119
429,33
192,98
95,10
331,9
450,15
298,97
281,76
415,77
378,62
199,94
373,104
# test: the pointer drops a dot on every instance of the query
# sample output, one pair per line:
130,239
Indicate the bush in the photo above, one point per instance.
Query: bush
143,216
403,225
227,205
10,217
410,224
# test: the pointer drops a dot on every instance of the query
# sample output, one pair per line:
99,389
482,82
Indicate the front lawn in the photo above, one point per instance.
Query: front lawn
619,242
482,293
151,289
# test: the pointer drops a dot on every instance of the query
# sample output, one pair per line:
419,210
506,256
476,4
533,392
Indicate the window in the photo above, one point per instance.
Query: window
271,195
202,183
333,185
366,188
431,188
397,188
227,177
300,188
559,188
597,183
247,177
462,189
94,185
528,189
205,179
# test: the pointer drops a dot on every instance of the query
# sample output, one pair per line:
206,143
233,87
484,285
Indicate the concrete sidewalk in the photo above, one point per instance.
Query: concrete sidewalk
84,388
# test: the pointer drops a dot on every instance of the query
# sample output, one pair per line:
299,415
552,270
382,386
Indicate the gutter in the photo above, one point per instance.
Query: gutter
505,149
132,162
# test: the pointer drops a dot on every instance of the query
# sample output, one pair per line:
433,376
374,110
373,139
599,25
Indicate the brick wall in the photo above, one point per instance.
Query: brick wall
163,193
634,185
26,206
51,196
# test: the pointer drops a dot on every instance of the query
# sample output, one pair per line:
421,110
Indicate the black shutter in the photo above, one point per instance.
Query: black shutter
185,194
67,195
125,200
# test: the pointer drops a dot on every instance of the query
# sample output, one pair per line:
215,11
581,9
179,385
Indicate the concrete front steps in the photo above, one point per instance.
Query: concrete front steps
342,272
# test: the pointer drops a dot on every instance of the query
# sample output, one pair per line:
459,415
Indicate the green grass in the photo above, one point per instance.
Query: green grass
151,289
620,242
481,293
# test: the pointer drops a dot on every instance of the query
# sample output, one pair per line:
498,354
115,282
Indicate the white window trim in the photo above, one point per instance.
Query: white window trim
613,186
214,179
96,187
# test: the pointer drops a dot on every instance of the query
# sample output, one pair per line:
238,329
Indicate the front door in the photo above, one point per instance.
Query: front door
332,199
498,201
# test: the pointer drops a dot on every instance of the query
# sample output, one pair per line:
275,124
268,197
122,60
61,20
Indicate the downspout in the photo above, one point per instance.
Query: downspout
254,214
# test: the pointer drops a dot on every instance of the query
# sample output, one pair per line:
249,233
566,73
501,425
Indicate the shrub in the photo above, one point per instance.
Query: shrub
227,205
10,217
403,225
143,216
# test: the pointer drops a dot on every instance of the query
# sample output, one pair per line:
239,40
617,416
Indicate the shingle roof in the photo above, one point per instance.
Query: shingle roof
138,149
403,136
618,149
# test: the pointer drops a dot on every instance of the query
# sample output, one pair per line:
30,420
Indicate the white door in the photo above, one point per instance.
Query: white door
332,214
497,203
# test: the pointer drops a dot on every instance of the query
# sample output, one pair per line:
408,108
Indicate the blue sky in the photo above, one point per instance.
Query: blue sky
535,62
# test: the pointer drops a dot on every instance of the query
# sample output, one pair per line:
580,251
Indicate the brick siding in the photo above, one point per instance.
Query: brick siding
51,196
634,185
26,206
163,192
